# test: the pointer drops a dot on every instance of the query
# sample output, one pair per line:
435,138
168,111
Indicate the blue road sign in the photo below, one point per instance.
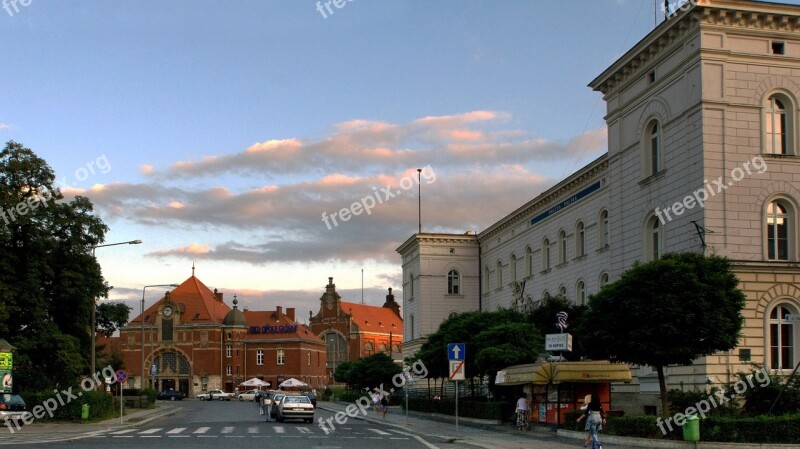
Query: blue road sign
121,376
456,351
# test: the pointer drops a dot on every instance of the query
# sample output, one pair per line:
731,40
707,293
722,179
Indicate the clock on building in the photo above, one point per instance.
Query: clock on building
167,311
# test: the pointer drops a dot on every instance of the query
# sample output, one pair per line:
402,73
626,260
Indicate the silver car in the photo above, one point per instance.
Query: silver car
12,408
295,407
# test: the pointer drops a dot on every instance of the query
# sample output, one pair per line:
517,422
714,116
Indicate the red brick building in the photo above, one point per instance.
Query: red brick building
352,331
194,342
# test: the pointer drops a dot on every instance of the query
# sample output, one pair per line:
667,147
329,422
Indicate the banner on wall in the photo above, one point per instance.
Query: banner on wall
6,372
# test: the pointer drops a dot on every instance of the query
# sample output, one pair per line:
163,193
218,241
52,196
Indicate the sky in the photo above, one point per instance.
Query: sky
228,134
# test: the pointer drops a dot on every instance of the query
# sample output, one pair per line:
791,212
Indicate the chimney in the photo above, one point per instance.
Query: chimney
290,313
279,313
392,304
218,295
331,287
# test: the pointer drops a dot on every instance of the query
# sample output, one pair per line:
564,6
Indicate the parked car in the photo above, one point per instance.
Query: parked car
249,395
171,394
312,397
215,394
295,406
12,408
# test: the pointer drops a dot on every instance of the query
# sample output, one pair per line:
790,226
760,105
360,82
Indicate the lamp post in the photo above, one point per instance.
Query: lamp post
94,302
141,316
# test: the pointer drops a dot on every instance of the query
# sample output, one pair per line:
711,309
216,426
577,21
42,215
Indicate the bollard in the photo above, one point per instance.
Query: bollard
691,429
85,412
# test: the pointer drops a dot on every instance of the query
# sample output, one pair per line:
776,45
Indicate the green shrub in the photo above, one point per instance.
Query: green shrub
101,405
151,394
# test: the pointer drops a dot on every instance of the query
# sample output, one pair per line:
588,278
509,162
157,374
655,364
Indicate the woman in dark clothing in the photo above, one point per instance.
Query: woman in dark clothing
595,418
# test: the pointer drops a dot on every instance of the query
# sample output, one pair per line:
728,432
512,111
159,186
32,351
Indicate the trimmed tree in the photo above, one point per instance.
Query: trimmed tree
665,312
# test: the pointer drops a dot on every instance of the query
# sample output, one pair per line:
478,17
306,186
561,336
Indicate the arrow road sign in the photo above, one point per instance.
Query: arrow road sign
457,370
456,351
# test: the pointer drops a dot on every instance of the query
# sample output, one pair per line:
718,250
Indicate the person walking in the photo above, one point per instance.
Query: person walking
595,418
266,406
376,401
522,412
384,406
588,438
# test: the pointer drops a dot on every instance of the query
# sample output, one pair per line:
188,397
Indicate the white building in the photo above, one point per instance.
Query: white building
704,109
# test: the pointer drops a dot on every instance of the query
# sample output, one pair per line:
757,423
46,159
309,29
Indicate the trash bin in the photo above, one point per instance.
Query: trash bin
691,429
85,412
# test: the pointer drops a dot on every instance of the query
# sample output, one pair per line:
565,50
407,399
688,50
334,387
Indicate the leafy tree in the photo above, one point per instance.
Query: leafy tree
48,277
544,319
667,311
368,372
507,344
111,316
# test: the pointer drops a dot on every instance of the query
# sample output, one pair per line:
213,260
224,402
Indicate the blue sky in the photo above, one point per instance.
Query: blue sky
228,128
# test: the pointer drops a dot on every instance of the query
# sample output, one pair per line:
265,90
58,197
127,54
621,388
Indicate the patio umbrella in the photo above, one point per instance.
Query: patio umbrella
292,382
255,382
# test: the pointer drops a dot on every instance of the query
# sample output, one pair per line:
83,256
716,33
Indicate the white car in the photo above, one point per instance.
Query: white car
215,394
249,395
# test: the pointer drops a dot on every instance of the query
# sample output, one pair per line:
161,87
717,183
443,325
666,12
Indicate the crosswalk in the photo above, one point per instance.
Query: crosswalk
251,431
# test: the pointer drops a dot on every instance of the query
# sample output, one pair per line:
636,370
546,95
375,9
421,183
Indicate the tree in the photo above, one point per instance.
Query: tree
368,372
667,312
544,318
48,277
111,316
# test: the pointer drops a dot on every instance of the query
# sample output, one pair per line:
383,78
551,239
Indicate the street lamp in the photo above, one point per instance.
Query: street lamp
141,316
94,303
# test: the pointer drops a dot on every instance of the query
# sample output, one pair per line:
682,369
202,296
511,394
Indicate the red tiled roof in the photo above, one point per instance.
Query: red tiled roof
272,318
197,304
373,318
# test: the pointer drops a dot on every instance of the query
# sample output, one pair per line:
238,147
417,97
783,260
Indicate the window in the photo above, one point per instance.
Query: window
545,294
308,354
486,279
782,338
779,124
512,268
562,291
602,229
452,315
654,239
778,48
453,282
228,351
411,327
545,254
603,279
411,286
652,147
580,240
778,229
383,347
528,261
281,357
580,293
651,77
260,357
166,330
368,348
499,274
562,246
228,370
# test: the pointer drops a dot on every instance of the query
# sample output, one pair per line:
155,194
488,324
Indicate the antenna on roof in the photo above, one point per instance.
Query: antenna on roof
192,268
362,286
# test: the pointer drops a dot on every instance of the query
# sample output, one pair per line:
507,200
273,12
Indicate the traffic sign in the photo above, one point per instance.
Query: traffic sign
122,376
457,370
456,351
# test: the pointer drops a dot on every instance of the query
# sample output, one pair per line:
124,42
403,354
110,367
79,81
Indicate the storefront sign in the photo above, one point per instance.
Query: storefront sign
558,342
567,202
267,329
6,373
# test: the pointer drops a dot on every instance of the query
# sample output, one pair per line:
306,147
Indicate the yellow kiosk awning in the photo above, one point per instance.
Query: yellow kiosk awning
562,372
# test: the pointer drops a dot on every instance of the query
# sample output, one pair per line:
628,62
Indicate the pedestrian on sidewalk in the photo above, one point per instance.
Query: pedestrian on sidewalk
588,438
522,412
384,406
595,418
266,406
376,401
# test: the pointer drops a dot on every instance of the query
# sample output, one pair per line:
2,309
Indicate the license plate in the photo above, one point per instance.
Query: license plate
298,409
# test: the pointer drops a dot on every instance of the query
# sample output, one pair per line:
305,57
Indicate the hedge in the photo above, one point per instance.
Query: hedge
101,405
497,411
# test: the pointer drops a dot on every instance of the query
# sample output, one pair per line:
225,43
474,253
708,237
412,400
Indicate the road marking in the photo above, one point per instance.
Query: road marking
122,432
150,431
228,429
201,430
252,430
418,438
379,432
304,429
279,429
176,430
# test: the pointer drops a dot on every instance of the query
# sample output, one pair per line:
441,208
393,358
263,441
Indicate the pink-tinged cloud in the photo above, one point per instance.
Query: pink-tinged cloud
195,249
147,169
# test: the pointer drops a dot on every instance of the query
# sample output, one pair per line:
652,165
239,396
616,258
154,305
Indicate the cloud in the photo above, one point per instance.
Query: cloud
5,126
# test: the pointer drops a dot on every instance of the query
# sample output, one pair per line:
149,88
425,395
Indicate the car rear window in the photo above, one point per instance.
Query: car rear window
296,400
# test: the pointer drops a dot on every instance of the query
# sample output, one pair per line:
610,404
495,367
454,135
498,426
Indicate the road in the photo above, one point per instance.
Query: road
237,424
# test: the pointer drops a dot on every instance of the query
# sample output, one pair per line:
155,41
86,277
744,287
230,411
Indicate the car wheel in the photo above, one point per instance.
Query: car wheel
240,398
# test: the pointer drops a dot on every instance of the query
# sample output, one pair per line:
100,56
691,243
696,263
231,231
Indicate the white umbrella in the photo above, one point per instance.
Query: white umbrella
292,382
255,382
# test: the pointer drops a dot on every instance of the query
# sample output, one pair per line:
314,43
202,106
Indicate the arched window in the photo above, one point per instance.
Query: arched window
545,294
528,261
562,246
653,239
580,292
368,348
779,124
652,148
453,282
383,347
512,267
562,291
602,229
499,274
452,315
545,254
580,240
782,337
603,279
780,229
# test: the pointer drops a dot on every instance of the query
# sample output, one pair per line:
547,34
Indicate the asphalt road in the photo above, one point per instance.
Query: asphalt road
235,424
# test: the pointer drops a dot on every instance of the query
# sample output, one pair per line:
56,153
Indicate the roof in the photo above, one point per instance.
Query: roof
373,318
197,303
274,319
563,372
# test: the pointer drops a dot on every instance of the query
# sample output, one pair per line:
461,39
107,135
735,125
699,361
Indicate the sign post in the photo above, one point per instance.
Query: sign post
456,352
121,376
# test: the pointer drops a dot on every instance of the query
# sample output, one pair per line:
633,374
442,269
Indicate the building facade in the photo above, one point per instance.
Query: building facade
193,342
703,156
352,331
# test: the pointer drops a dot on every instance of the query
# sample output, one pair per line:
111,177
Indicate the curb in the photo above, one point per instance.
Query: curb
674,444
